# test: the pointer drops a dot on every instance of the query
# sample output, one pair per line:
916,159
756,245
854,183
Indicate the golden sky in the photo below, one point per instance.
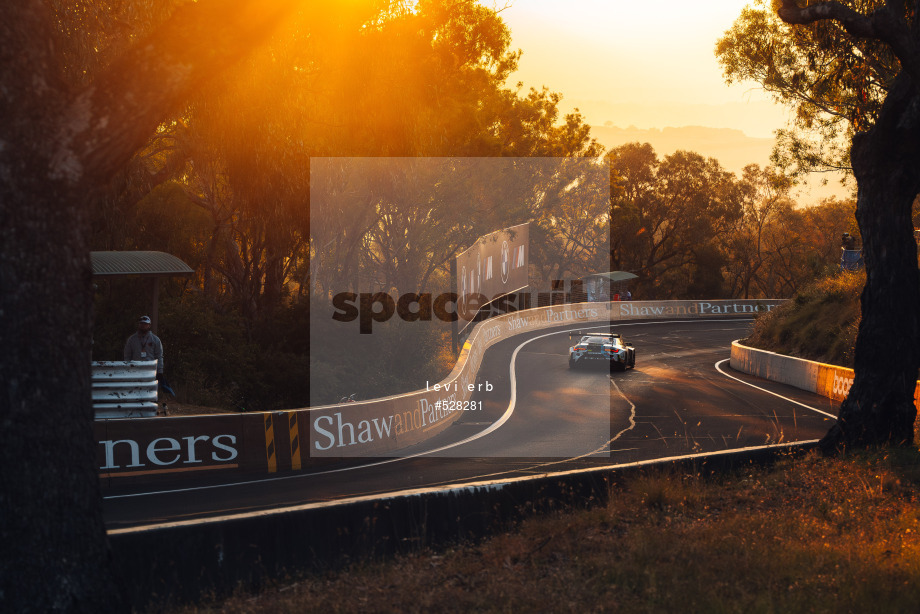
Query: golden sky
647,63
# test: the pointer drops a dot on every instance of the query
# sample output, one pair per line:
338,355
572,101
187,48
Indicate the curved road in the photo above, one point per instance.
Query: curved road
538,416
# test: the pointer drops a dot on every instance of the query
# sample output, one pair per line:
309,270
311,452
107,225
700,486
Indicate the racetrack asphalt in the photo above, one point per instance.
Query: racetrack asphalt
681,398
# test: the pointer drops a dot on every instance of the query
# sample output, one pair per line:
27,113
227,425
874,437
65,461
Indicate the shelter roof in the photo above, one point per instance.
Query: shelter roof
138,263
612,276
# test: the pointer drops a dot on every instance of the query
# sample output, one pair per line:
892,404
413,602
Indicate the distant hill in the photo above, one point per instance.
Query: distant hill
732,148
754,118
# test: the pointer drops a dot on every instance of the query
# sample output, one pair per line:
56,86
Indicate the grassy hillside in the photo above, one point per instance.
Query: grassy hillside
819,323
808,535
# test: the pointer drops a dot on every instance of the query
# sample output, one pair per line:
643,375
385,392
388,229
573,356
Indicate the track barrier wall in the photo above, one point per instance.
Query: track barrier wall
826,380
125,389
178,563
169,449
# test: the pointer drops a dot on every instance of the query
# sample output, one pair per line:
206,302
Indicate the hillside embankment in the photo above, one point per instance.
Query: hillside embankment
819,323
808,534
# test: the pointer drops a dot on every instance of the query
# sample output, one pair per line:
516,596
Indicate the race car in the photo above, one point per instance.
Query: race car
596,348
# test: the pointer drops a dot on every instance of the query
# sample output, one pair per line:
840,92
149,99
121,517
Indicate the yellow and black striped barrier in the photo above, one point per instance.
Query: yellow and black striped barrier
271,455
294,432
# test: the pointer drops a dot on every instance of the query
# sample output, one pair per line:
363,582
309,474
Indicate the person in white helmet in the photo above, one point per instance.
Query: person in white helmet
144,345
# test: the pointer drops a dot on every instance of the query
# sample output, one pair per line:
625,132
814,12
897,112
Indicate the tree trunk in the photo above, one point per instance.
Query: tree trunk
879,409
56,147
56,555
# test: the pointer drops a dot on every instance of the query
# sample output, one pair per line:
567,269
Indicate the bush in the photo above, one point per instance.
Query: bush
397,357
819,323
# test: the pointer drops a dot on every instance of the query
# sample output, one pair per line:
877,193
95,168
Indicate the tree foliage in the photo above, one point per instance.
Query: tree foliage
337,84
691,229
834,84
668,216
361,79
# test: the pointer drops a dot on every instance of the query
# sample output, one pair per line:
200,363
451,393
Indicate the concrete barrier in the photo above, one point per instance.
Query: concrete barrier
802,374
826,380
175,563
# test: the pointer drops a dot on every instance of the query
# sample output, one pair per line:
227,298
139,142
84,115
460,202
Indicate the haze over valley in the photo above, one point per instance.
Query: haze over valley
639,73
731,147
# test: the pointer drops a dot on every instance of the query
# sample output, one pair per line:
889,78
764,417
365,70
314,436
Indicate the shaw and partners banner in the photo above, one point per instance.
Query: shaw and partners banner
496,265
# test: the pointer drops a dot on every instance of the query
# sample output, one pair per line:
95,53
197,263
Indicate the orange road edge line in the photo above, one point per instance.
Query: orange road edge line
156,471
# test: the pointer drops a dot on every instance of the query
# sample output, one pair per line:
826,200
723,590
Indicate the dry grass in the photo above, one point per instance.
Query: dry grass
819,323
808,535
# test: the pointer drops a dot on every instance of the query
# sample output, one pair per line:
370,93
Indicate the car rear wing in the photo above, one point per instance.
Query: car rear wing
579,333
611,336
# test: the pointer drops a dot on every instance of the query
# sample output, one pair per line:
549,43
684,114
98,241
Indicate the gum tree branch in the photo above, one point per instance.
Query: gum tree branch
885,24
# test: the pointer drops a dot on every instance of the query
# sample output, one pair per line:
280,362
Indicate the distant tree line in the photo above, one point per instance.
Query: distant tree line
691,229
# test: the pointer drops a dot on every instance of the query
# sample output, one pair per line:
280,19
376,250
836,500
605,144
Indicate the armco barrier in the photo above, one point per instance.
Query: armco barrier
176,563
125,389
826,380
157,449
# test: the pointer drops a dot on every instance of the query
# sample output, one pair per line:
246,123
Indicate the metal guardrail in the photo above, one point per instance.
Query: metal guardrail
125,389
851,259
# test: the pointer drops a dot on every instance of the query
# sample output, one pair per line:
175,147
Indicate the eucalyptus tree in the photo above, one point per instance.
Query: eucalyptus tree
668,214
61,139
429,81
885,157
765,197
833,84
